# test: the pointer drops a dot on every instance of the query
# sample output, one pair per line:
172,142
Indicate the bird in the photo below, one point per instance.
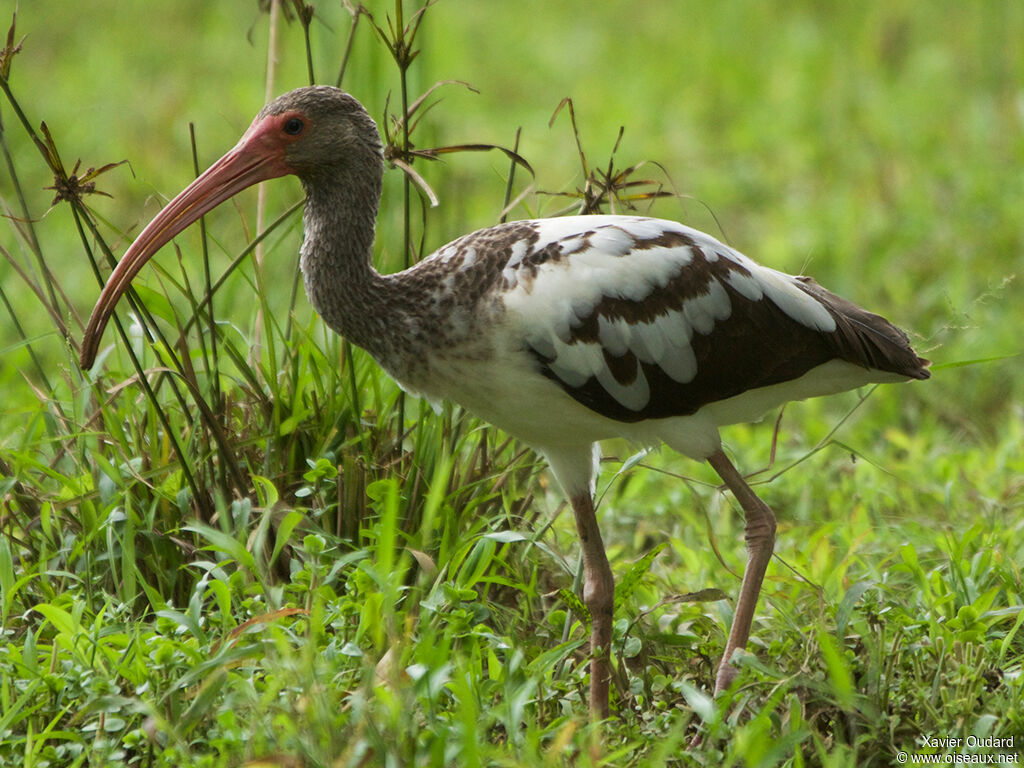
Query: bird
562,332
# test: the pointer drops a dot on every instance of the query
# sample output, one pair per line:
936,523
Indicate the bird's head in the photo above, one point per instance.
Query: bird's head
314,131
310,132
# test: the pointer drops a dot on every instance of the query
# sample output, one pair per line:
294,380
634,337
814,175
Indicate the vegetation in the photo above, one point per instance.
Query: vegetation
234,541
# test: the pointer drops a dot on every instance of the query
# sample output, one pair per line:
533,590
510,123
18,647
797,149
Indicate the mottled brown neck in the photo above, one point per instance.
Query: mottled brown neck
337,250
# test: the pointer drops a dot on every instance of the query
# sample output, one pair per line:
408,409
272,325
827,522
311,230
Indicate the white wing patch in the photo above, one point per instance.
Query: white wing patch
800,306
635,395
703,311
746,285
613,259
782,290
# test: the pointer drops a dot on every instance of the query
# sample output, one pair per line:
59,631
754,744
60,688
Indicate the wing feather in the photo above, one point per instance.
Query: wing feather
641,318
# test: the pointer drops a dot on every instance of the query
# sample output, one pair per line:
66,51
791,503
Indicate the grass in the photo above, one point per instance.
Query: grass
246,549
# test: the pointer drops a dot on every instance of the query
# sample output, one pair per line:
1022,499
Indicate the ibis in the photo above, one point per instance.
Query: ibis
563,332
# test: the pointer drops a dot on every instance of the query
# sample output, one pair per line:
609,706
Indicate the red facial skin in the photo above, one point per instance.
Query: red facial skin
261,154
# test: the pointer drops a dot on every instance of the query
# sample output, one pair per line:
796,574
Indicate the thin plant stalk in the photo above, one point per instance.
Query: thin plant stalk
261,192
210,359
348,45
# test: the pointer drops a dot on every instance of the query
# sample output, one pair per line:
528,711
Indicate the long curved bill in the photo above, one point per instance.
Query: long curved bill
251,161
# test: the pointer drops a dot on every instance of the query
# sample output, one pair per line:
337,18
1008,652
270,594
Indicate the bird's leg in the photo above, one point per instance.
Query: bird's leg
759,535
598,596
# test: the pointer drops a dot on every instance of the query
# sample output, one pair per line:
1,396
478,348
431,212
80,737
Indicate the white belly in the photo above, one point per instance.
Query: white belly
508,390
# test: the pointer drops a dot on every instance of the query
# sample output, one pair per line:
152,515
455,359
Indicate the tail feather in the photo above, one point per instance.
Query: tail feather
868,339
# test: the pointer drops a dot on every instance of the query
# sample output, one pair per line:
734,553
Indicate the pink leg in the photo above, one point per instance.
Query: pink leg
598,596
759,535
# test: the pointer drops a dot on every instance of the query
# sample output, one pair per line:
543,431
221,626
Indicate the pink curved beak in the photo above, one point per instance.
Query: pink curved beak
253,159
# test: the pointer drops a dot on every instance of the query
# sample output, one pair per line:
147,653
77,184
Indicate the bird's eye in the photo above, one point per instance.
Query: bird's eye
293,126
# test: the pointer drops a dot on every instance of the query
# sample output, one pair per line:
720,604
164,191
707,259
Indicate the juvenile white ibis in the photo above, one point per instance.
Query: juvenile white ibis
560,331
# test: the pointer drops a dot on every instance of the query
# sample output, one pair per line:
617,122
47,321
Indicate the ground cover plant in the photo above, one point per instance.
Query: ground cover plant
234,541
